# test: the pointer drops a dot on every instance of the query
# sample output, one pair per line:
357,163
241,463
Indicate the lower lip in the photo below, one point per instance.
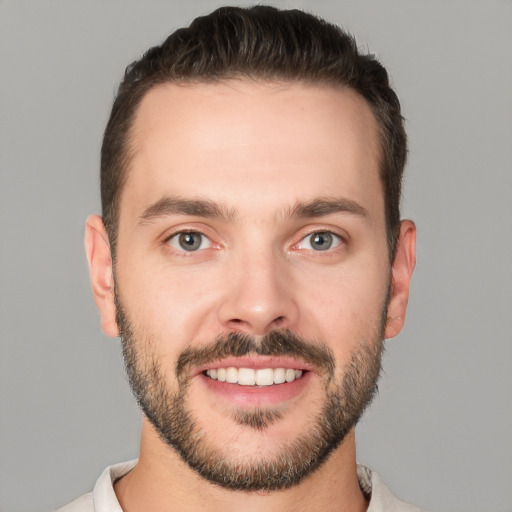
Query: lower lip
255,396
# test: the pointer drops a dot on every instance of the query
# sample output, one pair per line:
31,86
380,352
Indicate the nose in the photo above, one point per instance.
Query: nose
259,295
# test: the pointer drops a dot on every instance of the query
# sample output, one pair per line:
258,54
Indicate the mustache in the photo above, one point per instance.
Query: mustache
275,343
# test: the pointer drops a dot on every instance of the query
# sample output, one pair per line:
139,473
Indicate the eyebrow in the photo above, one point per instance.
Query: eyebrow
173,205
326,206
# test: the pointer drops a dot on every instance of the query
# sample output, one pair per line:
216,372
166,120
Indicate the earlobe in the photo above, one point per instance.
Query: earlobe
99,257
401,273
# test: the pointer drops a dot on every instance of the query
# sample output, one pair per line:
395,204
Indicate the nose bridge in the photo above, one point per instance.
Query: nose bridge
259,296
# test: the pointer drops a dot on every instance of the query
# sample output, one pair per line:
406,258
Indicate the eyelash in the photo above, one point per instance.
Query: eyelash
176,236
335,239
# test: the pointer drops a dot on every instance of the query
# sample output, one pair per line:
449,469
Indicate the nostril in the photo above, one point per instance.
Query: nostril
279,320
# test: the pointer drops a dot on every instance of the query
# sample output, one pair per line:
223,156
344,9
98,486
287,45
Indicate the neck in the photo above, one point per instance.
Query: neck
162,482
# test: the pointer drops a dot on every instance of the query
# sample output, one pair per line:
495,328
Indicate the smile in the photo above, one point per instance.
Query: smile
254,377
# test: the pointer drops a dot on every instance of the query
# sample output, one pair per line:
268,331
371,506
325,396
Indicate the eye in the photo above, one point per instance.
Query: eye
320,241
189,241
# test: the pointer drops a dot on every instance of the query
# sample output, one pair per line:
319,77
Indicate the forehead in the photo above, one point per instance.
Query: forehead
239,140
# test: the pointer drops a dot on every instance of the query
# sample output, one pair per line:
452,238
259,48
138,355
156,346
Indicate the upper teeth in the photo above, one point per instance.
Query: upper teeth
251,377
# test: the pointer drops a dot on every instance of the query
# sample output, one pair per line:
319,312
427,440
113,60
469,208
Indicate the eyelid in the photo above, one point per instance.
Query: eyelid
337,237
186,227
174,241
208,235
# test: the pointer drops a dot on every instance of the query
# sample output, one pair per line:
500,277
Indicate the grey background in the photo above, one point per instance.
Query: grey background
440,431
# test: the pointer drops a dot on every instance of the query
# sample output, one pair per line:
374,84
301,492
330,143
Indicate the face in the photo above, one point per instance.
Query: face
252,281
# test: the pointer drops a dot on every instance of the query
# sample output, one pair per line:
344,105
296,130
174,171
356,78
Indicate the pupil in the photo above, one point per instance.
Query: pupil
322,241
190,241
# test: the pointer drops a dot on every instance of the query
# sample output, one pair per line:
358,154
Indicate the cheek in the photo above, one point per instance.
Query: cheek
345,307
167,302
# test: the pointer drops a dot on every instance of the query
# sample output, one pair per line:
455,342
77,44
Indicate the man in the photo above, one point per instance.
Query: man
252,259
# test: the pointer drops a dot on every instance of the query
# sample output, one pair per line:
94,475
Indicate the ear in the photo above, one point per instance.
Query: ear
401,273
99,257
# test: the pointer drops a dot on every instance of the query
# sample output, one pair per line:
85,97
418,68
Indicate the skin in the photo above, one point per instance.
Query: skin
256,150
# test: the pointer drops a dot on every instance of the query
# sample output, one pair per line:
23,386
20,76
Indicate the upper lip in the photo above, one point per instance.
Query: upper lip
256,362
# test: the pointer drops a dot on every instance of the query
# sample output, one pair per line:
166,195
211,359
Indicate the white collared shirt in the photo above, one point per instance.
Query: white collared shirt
103,498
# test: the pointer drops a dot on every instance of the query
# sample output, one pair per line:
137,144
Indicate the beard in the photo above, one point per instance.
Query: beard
347,393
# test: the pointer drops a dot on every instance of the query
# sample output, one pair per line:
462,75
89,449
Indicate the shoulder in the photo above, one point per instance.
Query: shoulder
381,498
83,504
103,497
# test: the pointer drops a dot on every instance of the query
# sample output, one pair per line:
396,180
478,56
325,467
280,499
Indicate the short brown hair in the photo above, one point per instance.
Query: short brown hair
263,43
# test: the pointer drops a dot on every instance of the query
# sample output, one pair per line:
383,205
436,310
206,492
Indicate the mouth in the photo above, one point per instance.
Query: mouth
254,377
256,381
